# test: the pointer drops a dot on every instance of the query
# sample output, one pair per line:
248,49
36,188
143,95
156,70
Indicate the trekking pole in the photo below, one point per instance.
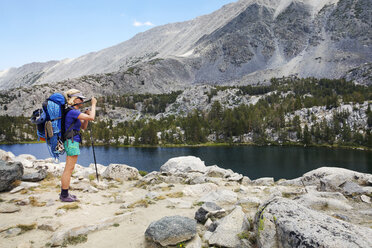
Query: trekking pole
94,154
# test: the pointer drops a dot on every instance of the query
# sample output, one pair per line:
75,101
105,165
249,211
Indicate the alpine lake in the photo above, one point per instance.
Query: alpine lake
253,161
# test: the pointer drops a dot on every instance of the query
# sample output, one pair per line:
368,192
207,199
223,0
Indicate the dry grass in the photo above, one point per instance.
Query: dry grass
140,203
16,183
166,188
26,228
160,197
35,203
175,194
75,240
69,206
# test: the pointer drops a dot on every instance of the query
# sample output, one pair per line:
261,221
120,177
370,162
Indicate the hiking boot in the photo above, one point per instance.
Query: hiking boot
68,198
73,196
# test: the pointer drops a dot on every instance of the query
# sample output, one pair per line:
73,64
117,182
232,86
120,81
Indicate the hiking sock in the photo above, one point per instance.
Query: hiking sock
64,192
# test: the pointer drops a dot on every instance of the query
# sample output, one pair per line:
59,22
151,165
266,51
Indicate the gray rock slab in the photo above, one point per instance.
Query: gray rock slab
323,201
282,222
226,234
35,177
220,196
171,230
9,172
351,188
199,189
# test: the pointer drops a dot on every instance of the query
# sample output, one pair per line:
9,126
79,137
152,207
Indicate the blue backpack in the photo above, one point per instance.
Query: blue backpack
50,123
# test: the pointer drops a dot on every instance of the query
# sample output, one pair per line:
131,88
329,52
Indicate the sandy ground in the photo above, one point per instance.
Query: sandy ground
93,207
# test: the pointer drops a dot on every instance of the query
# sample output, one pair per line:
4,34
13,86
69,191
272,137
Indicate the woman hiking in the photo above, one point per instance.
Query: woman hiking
74,121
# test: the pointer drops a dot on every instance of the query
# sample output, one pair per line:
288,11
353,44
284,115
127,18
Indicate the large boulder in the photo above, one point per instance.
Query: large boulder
121,172
183,164
171,230
6,156
226,234
331,178
9,172
25,159
284,223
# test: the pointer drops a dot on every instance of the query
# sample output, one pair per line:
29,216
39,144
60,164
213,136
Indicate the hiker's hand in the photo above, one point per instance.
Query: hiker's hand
94,101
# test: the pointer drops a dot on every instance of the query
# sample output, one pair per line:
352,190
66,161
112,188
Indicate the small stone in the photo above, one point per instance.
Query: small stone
16,189
90,189
8,209
50,202
23,202
28,185
152,195
178,203
124,206
60,212
365,199
12,232
119,199
208,223
101,185
51,226
341,217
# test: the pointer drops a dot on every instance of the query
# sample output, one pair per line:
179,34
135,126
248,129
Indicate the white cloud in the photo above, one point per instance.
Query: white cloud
140,24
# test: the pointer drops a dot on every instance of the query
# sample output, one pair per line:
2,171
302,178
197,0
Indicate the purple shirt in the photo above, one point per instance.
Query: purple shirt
71,116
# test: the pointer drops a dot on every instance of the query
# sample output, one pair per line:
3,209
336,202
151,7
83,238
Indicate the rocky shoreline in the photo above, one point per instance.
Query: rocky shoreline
185,204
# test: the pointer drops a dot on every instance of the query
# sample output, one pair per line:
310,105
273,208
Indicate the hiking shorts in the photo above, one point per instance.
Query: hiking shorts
72,148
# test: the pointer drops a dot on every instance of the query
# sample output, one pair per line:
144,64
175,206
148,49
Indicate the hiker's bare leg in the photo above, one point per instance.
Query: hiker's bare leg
69,168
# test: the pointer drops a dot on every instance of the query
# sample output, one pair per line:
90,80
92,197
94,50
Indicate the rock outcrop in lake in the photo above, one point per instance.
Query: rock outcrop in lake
186,204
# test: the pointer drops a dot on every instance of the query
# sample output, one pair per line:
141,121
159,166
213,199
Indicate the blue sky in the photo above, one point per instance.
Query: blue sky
43,30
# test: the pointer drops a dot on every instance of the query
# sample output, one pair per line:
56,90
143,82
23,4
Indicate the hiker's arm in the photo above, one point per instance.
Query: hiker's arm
90,116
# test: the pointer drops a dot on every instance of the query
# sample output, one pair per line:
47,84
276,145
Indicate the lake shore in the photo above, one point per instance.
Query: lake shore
213,144
120,207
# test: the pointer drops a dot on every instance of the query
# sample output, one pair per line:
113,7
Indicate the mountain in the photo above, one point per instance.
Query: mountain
245,42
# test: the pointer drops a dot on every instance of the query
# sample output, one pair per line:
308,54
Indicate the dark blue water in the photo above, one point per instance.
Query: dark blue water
252,161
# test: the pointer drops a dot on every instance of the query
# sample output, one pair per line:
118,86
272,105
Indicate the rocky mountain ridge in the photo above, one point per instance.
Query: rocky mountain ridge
242,43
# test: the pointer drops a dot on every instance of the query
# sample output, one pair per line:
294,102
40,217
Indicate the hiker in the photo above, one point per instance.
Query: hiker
74,121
